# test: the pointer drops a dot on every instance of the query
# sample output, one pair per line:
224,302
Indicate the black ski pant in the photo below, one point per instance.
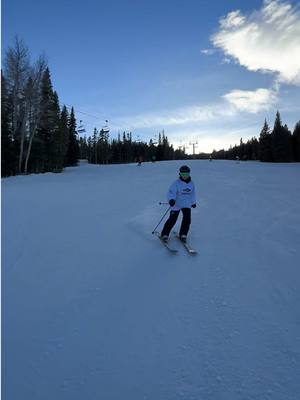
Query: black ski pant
185,224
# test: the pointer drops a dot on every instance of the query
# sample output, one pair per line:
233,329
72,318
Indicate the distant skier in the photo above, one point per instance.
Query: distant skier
181,196
140,160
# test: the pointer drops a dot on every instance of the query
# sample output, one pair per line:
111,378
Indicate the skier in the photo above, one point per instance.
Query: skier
140,160
181,196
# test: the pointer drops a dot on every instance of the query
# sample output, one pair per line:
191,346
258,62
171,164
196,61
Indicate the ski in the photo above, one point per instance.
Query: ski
166,244
187,246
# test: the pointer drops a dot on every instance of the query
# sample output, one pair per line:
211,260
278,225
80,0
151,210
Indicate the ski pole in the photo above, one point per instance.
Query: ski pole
161,219
162,203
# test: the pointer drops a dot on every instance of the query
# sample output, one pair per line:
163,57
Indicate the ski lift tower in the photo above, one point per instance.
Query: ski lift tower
194,144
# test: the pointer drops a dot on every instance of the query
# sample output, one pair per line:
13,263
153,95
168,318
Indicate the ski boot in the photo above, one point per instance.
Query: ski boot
183,238
164,238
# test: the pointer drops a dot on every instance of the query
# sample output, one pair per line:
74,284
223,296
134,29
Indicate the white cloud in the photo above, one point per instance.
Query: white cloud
226,60
252,101
266,40
208,52
235,101
232,20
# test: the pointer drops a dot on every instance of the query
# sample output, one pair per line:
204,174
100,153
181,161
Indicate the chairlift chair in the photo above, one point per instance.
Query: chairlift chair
81,128
105,128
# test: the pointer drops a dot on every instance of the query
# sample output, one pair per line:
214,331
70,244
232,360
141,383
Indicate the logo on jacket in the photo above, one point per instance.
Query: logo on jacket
187,191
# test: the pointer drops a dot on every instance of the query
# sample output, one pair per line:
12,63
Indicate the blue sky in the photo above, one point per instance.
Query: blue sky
205,71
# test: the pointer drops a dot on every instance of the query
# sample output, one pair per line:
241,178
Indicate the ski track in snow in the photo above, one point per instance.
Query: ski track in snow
94,307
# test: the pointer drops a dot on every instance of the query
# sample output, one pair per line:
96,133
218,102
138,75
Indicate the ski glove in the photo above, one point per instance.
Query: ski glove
172,202
194,205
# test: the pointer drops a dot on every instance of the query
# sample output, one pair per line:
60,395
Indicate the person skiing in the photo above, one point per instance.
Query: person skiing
140,160
181,196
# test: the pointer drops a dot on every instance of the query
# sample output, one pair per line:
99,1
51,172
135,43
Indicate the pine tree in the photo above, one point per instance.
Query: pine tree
95,141
103,147
83,147
242,150
73,147
296,142
42,142
281,141
265,144
64,127
90,150
289,143
254,149
57,150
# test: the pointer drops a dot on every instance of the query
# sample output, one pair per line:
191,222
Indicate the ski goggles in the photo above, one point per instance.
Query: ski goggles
184,174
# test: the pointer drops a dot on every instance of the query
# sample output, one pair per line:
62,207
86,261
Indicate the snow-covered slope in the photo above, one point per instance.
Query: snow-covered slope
94,307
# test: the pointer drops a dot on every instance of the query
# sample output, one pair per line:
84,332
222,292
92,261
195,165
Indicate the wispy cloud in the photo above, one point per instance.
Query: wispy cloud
267,40
180,116
227,108
232,20
213,126
208,52
252,101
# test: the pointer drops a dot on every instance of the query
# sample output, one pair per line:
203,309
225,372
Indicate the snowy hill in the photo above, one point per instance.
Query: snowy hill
94,307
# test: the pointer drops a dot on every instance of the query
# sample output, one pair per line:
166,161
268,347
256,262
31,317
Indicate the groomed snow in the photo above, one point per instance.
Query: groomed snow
94,307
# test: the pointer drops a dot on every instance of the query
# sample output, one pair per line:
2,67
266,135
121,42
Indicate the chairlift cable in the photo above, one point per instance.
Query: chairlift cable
81,128
82,112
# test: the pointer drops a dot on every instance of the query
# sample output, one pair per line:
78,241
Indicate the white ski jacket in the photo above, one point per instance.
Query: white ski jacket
183,193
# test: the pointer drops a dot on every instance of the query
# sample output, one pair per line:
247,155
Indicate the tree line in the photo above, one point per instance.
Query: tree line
276,145
36,134
99,149
39,136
